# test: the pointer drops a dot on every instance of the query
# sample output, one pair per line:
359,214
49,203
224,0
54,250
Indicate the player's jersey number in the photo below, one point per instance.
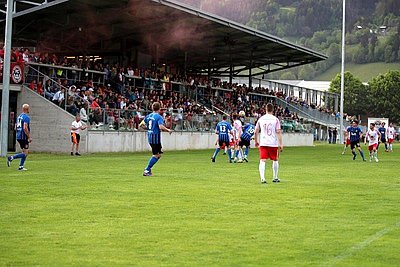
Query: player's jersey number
19,123
268,129
222,129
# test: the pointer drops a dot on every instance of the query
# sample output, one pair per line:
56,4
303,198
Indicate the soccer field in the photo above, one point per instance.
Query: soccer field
99,210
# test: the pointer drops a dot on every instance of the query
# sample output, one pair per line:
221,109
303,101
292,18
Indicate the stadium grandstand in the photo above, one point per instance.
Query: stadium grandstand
110,60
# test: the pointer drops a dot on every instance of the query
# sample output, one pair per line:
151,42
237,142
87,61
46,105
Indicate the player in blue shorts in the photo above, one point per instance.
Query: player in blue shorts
382,131
23,137
154,124
248,133
223,130
355,134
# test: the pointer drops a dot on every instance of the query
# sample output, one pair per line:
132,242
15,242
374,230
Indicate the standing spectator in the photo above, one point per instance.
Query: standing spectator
334,135
83,113
76,127
26,56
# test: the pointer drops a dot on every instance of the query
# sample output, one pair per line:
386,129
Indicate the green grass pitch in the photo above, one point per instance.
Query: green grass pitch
99,210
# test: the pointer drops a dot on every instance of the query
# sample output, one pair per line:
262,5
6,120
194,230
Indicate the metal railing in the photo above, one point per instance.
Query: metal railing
102,119
128,120
47,83
310,113
72,75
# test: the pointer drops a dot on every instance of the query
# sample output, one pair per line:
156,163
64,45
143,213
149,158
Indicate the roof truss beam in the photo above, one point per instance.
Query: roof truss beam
36,6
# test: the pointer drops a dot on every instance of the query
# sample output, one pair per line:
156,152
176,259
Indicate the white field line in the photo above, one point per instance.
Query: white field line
360,246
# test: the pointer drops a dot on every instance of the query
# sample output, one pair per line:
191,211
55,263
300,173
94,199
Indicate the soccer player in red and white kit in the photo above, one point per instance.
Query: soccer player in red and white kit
237,132
391,135
268,137
373,136
347,140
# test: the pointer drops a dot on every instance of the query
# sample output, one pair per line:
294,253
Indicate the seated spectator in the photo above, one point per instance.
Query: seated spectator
59,97
33,85
39,88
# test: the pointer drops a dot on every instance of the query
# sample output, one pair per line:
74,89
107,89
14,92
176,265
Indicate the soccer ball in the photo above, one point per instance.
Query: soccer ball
242,113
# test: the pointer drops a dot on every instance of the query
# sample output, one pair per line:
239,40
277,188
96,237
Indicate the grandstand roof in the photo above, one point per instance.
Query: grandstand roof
172,32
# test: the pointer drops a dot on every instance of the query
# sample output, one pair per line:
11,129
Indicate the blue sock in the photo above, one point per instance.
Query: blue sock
229,154
246,152
237,153
152,161
216,152
362,154
21,164
386,147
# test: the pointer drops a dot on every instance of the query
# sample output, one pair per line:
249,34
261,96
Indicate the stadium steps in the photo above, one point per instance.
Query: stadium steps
50,124
310,114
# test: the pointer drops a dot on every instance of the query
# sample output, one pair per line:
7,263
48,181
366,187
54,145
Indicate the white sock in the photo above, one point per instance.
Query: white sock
391,147
261,168
275,168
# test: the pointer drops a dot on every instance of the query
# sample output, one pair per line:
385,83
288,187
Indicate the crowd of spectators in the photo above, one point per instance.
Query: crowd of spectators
242,99
117,101
109,105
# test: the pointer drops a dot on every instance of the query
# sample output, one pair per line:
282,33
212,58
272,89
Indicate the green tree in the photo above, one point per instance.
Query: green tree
288,75
385,92
360,55
355,94
334,52
306,72
389,55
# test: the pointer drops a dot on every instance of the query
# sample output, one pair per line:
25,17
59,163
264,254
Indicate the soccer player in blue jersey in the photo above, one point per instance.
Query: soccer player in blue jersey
23,137
382,131
223,129
355,134
154,123
248,133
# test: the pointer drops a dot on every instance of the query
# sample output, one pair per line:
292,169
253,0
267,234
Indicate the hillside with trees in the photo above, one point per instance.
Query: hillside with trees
372,28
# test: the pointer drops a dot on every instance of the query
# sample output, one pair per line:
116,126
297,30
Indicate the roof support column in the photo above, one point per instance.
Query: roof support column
209,67
6,80
185,64
251,66
230,65
337,104
231,73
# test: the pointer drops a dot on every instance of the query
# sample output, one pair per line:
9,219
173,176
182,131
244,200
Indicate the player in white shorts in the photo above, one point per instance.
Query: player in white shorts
238,131
373,136
390,135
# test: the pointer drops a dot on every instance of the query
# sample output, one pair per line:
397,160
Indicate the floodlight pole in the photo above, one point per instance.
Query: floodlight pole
6,79
342,72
